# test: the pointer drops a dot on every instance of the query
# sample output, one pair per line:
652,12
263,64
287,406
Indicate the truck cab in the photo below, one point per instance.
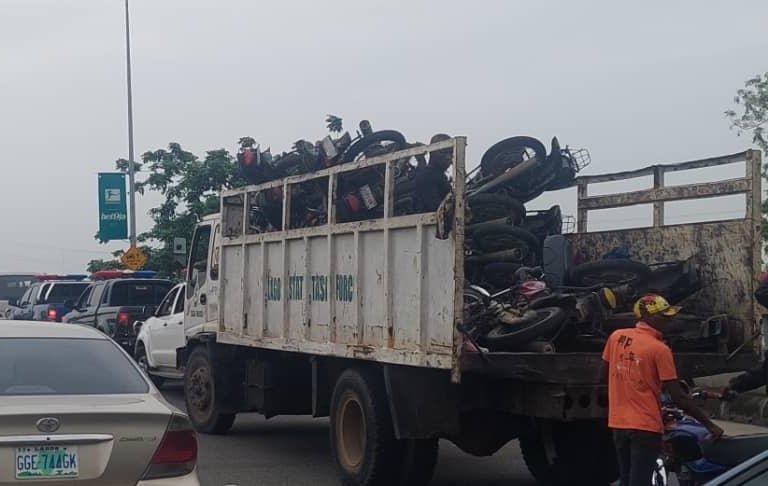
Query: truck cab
201,309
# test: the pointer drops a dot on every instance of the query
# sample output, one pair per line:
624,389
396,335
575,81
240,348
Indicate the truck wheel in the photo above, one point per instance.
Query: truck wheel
565,453
141,360
363,441
200,395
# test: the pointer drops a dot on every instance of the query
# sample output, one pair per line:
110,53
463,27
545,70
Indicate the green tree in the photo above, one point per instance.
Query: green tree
751,115
189,187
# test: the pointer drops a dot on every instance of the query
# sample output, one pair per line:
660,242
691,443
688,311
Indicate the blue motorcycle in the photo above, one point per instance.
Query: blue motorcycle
690,453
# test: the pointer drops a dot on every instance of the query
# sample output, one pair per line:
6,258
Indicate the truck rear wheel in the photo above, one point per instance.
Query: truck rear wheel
363,441
566,453
200,395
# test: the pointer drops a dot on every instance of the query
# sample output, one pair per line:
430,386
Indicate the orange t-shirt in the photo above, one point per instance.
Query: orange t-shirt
638,361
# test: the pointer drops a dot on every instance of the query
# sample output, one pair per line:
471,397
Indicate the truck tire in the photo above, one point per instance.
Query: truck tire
200,395
363,442
569,453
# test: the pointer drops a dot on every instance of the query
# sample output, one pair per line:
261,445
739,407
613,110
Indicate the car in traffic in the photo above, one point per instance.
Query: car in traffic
12,287
49,299
158,338
76,409
112,305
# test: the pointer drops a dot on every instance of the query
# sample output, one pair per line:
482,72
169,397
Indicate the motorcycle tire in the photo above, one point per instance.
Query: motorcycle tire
487,207
508,153
534,324
610,272
492,238
360,145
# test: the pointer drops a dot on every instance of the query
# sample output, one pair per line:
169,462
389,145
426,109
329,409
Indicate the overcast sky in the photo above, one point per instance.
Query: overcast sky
635,84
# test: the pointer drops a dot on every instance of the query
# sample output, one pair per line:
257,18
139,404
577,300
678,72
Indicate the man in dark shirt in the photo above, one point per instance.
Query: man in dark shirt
431,181
754,377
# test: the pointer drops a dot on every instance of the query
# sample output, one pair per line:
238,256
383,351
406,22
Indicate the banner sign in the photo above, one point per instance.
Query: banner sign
113,215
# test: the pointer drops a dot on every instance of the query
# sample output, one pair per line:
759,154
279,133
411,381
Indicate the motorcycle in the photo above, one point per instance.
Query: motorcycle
520,168
692,455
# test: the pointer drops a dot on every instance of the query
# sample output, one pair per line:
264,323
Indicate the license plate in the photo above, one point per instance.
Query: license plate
41,462
368,199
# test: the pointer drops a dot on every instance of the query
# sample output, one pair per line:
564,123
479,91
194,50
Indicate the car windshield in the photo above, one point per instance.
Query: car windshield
128,293
48,366
62,292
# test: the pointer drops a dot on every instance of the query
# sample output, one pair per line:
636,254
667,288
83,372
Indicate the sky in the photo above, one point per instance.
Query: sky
635,84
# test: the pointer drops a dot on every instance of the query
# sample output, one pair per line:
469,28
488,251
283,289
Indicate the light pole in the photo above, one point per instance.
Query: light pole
131,167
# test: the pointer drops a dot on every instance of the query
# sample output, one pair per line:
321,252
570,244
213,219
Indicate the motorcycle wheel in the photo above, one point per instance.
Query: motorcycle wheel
509,152
487,207
610,272
519,331
358,147
492,238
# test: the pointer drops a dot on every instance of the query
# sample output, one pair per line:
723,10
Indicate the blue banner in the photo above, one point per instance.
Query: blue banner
113,213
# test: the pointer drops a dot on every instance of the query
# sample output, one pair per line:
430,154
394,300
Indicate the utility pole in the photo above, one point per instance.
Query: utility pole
131,167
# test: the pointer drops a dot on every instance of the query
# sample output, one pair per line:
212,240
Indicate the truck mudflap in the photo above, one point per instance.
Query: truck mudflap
584,368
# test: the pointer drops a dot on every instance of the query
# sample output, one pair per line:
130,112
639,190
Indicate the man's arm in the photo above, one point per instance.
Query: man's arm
687,404
749,380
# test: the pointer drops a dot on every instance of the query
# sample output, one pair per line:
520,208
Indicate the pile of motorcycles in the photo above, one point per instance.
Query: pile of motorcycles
522,290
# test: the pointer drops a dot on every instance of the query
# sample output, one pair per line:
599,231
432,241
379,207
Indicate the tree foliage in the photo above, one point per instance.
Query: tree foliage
752,117
752,106
189,186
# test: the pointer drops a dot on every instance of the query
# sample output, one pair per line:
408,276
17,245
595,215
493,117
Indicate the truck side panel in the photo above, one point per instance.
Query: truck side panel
381,289
299,295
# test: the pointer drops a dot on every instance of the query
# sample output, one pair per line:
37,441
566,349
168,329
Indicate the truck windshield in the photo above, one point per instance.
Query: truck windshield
129,293
62,292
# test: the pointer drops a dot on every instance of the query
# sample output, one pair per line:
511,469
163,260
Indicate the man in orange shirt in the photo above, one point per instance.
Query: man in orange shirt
638,365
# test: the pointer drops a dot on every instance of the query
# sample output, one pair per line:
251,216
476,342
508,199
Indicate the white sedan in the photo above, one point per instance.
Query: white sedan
160,336
77,410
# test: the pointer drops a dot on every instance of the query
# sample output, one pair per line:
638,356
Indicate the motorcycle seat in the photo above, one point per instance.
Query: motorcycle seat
731,451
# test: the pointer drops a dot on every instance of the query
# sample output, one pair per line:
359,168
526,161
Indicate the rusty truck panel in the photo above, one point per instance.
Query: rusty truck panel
728,253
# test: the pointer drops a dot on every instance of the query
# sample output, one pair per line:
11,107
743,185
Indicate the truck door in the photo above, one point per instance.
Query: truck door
198,286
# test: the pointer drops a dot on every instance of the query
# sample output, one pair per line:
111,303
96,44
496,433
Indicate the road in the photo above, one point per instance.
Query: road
294,451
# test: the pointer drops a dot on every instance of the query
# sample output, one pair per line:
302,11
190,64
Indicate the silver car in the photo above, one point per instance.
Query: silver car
75,409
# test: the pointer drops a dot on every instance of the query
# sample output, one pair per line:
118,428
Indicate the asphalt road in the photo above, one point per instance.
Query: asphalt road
294,451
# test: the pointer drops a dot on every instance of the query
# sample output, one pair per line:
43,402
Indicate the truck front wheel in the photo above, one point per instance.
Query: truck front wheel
565,453
363,441
200,395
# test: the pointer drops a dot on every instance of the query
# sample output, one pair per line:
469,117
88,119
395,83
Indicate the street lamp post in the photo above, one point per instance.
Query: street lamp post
131,167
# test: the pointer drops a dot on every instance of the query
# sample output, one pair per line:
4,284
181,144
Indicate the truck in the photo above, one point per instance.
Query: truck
361,322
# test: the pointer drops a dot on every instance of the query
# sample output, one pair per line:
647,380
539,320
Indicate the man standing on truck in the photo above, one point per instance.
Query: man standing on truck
431,182
638,364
